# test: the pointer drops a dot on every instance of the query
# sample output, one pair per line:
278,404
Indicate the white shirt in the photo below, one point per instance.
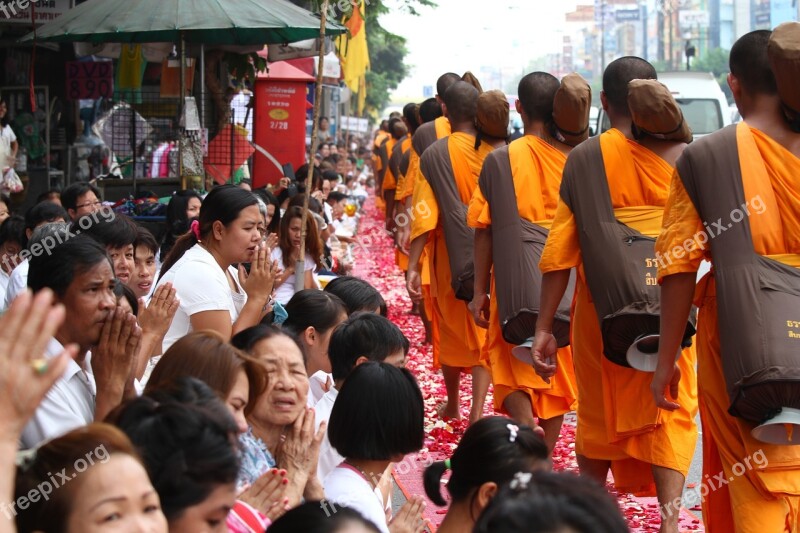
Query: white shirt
285,292
329,458
200,285
347,487
318,384
68,405
4,282
17,283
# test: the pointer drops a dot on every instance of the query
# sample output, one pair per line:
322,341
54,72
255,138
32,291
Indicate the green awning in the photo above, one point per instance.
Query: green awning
211,22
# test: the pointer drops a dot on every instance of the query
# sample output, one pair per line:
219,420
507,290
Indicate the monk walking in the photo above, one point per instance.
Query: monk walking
531,167
752,486
616,429
455,163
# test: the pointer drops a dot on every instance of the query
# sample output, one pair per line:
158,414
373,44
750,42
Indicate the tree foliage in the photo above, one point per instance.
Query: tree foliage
387,51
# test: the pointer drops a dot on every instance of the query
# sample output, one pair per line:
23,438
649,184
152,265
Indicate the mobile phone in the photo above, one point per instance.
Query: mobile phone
288,171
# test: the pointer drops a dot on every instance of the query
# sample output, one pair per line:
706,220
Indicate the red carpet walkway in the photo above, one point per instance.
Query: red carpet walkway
375,263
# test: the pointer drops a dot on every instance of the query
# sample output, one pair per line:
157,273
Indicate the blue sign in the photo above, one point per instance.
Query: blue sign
626,15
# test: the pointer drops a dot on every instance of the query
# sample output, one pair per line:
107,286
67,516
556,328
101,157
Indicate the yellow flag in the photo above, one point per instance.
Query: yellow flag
354,54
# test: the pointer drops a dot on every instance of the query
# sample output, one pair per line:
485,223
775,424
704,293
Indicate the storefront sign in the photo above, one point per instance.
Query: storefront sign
44,11
89,80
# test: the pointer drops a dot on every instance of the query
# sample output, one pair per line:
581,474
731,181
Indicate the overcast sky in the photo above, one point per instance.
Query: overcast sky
461,35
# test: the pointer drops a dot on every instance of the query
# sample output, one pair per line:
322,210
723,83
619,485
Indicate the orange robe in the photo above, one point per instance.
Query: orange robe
443,130
536,167
389,179
460,339
766,496
400,258
617,419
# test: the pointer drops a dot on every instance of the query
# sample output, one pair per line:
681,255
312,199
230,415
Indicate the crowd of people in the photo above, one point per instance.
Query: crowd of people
231,376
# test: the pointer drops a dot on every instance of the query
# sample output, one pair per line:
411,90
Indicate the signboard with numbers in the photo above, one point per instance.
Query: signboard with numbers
280,119
89,80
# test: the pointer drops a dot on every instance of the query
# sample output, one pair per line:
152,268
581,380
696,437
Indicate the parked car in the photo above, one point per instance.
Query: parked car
702,101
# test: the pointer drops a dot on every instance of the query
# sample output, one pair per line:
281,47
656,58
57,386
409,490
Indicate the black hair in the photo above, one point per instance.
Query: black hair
461,100
247,339
618,74
270,199
336,196
177,221
146,239
357,294
320,517
363,335
548,502
313,308
485,454
57,269
70,195
123,291
430,110
536,93
45,196
116,232
378,414
44,212
749,63
13,230
186,438
445,81
223,204
330,175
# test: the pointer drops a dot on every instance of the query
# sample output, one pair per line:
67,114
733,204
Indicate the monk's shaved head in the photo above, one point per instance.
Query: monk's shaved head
445,81
411,116
750,65
617,76
430,110
461,100
397,128
536,92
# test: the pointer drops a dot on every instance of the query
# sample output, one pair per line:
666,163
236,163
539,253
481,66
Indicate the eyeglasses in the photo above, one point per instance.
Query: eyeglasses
96,203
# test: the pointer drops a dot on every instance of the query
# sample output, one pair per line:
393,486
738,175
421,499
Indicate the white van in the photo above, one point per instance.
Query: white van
702,101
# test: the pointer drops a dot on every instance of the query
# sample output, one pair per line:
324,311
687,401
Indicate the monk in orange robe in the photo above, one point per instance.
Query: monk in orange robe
460,339
537,161
616,429
400,163
764,494
398,131
425,135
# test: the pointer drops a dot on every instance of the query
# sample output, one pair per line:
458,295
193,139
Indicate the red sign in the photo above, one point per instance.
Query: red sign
89,80
280,128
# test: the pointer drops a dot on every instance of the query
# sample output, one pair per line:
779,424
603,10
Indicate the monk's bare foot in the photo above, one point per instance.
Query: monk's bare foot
444,411
414,309
474,417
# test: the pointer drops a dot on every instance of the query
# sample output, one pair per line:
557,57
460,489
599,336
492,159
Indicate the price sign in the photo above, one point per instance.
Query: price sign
89,80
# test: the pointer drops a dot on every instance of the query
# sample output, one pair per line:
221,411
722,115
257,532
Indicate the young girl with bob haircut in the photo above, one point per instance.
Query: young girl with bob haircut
313,315
377,420
287,253
491,451
236,378
212,294
108,490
